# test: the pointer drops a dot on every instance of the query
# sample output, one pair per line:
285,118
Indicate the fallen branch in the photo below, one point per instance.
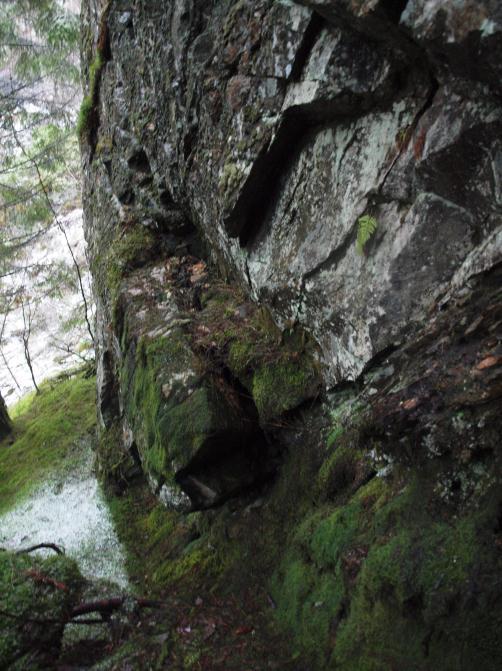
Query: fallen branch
39,577
107,606
41,546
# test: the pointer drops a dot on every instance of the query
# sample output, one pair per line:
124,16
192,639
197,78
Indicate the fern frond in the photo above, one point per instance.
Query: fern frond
366,226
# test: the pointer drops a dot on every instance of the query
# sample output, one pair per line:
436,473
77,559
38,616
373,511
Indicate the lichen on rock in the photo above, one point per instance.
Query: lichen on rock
327,418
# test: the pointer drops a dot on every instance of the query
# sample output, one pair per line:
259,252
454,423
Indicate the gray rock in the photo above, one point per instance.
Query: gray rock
256,135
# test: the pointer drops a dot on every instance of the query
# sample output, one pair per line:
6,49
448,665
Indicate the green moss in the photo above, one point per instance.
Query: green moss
37,597
277,368
194,559
280,387
413,604
113,463
160,546
309,603
230,178
335,534
84,116
45,430
240,355
402,584
173,406
87,108
165,425
130,249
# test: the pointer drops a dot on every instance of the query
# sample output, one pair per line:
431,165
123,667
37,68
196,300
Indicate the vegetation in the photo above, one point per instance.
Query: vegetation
87,118
39,163
277,368
37,597
88,106
366,227
155,539
45,430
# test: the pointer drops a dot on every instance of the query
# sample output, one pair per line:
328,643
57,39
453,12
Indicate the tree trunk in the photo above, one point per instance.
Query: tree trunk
5,425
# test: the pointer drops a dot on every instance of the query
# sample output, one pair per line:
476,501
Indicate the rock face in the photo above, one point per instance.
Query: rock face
5,426
294,208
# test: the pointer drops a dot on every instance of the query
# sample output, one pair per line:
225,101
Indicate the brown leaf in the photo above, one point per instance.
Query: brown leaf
243,630
488,362
410,403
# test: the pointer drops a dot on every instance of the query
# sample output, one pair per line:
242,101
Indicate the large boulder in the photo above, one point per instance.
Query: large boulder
294,218
272,128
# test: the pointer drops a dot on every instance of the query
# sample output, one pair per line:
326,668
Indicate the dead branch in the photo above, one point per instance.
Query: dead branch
107,606
48,546
25,336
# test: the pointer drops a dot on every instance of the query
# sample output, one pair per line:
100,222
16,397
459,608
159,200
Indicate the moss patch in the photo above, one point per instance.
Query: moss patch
277,368
88,118
131,248
395,586
37,597
45,430
160,547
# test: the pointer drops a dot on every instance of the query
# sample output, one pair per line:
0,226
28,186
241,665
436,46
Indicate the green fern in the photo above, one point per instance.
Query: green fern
366,226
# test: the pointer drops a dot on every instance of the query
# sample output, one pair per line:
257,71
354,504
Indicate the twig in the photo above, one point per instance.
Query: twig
109,605
39,546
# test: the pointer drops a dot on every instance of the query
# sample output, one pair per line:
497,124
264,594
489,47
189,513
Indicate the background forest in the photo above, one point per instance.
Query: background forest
44,281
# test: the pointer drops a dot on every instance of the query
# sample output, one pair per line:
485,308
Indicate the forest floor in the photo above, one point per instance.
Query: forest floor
49,494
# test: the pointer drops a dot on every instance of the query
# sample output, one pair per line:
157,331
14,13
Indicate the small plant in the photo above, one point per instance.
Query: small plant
87,108
366,226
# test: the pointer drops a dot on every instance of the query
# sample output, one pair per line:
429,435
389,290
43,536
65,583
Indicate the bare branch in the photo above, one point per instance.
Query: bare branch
61,228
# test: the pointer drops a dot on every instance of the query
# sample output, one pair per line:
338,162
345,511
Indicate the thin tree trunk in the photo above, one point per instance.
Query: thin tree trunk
61,228
9,369
7,312
26,340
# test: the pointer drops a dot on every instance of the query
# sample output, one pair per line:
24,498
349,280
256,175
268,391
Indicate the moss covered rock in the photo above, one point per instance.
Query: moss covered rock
37,596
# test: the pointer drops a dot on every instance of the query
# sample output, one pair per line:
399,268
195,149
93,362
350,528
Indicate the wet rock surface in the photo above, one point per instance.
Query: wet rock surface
273,127
293,212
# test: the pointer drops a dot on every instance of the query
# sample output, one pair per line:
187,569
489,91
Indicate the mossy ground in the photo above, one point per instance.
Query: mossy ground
380,574
36,599
46,427
208,619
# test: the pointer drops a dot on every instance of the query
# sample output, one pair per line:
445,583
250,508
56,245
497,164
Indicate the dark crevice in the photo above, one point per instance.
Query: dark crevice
300,123
127,197
378,359
263,185
310,36
229,464
260,188
108,391
139,162
134,452
392,9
